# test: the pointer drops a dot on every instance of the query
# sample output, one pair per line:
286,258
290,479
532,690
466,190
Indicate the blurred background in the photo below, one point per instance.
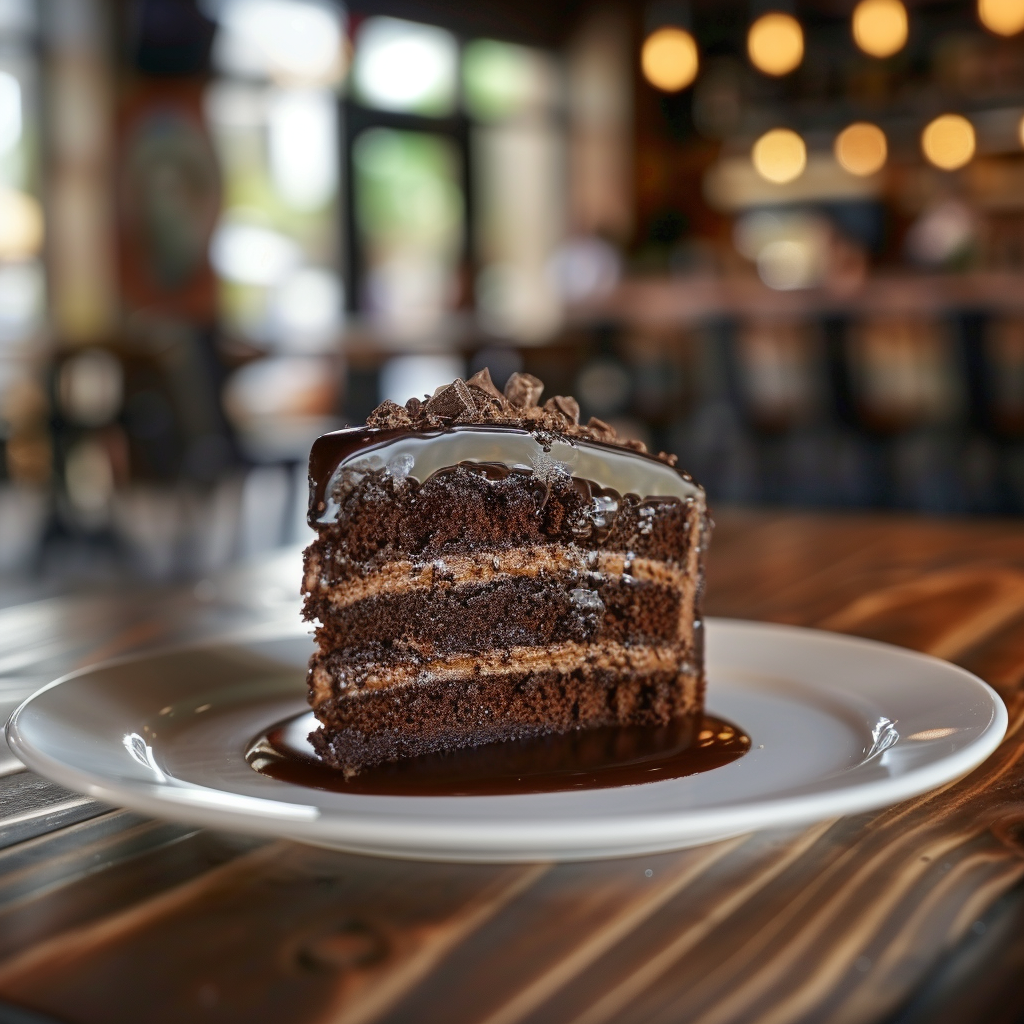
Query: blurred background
782,239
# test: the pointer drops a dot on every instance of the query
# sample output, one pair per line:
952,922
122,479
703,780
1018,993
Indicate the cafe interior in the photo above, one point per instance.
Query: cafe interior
782,240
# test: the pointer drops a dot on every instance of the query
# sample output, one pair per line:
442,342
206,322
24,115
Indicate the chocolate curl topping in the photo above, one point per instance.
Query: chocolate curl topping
523,390
482,382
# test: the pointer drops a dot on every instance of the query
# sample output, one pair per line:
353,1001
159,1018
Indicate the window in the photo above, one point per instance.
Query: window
274,118
469,146
430,179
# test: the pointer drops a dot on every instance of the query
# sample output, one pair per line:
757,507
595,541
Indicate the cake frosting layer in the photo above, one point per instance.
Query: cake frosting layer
486,566
349,677
403,454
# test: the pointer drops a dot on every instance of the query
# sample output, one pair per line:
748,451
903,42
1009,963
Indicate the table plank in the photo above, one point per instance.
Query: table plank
285,931
32,806
78,875
849,921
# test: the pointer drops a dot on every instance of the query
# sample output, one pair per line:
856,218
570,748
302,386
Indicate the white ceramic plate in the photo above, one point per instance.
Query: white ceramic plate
838,725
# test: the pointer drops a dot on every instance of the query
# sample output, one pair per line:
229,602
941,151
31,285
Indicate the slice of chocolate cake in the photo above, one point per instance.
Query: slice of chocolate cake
487,569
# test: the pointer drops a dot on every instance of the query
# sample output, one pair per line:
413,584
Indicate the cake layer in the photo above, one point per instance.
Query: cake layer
384,520
525,611
442,714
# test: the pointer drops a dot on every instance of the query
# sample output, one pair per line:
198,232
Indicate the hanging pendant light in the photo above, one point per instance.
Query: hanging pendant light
880,27
775,43
861,149
1003,17
779,156
669,57
948,142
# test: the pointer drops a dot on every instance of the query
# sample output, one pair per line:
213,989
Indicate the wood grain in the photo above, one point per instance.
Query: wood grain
851,921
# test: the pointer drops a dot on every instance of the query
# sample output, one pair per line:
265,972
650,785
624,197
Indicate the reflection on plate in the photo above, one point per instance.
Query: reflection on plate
837,726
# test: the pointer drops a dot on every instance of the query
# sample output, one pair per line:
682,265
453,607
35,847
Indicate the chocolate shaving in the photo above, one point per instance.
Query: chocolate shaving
523,390
482,382
452,402
601,430
568,407
479,401
389,416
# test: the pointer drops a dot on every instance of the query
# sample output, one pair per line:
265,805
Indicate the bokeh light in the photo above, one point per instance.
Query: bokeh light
788,246
775,43
502,80
779,156
252,254
861,148
302,139
90,387
405,66
669,59
880,27
1004,17
405,377
89,478
10,112
21,225
948,142
300,42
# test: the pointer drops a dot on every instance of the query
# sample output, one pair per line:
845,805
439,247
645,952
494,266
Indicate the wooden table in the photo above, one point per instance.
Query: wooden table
914,914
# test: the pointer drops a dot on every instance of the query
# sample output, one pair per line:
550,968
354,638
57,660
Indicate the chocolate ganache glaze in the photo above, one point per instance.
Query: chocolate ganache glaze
488,569
345,456
488,428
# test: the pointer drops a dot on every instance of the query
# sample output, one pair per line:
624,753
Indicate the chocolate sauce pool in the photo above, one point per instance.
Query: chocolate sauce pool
589,759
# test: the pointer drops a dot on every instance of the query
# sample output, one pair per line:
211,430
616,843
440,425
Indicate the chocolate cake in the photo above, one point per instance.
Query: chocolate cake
486,568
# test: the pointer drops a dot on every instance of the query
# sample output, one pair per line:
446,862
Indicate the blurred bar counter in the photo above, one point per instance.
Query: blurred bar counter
681,300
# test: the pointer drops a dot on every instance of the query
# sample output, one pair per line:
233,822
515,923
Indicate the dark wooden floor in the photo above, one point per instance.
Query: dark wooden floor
910,915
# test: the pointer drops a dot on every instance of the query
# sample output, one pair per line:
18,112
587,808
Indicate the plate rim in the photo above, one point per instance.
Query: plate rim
502,841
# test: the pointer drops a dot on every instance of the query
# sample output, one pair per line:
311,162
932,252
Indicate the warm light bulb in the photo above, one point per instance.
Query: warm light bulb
861,148
779,156
21,225
775,43
880,27
1004,17
669,59
948,142
1020,131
